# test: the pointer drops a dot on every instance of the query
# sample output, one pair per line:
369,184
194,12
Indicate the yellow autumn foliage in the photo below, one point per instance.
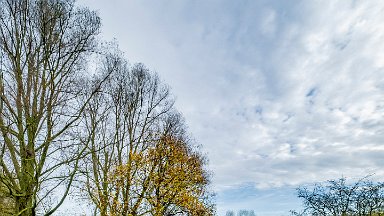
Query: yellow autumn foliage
169,178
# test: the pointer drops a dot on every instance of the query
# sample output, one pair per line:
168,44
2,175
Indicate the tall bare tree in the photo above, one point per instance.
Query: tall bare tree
129,125
121,122
43,45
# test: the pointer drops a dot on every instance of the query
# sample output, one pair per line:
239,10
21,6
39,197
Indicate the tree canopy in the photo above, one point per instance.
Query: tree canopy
111,128
338,197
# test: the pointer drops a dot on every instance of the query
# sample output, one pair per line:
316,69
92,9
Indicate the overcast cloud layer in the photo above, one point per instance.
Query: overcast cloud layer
279,93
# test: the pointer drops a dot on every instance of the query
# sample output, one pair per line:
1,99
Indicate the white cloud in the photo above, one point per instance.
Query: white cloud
278,93
268,22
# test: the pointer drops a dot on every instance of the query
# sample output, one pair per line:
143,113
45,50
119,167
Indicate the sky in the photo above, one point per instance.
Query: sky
278,93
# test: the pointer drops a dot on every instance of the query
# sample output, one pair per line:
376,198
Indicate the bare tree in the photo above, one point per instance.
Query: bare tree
121,123
337,197
244,212
128,127
230,213
43,45
241,212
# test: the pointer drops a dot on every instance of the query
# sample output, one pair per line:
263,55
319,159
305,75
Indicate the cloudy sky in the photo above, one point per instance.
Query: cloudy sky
279,93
